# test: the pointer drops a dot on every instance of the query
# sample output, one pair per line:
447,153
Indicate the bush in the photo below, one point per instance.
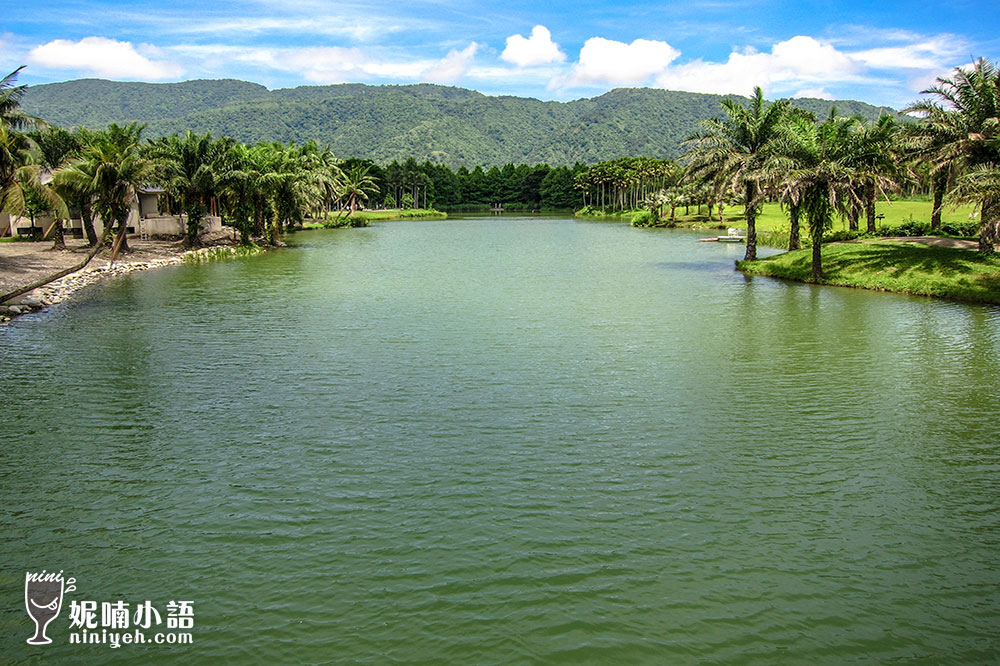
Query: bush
846,235
970,228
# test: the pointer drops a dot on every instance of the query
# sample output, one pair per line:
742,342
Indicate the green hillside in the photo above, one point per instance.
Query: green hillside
445,125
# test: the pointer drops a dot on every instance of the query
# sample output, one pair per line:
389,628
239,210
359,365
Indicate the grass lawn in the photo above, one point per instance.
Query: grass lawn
909,268
362,218
773,218
400,214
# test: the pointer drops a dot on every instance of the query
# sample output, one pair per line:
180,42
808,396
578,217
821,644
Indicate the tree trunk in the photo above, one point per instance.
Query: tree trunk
194,217
870,208
59,240
87,217
793,234
817,259
751,218
121,241
940,185
989,219
853,213
63,273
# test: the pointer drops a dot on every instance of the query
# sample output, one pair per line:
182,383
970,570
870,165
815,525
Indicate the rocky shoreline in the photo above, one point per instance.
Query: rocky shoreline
63,288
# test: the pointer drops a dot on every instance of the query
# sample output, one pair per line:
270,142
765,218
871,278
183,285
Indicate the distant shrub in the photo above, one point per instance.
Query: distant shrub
846,235
642,218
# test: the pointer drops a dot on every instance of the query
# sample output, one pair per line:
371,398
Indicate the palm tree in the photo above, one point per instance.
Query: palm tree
185,167
960,132
11,113
111,169
879,163
735,152
829,171
356,187
55,147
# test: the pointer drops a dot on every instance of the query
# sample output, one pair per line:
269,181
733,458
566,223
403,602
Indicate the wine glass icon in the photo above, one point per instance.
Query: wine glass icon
43,600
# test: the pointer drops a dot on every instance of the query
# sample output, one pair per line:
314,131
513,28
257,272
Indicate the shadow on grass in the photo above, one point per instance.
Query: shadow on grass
902,267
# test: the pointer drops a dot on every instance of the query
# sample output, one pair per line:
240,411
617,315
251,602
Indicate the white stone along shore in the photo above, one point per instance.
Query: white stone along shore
61,289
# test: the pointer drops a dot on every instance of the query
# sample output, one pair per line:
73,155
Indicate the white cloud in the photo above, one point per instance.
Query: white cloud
334,64
104,57
925,54
814,93
358,30
452,67
539,49
791,63
617,63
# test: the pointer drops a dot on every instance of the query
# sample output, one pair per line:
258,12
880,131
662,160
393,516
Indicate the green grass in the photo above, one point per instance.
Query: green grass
773,218
401,214
362,219
908,268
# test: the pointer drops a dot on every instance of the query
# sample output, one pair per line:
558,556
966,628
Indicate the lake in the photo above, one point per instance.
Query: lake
505,441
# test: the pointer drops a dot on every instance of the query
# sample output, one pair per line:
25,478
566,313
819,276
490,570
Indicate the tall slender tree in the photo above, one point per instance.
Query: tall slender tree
960,133
735,151
111,168
185,166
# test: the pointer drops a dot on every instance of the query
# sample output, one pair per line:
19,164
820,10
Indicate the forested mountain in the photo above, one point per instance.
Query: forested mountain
445,125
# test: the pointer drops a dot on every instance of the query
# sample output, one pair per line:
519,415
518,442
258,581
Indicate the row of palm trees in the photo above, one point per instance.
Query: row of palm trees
260,190
625,182
819,169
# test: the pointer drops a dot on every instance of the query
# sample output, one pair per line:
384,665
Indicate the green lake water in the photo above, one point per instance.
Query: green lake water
506,441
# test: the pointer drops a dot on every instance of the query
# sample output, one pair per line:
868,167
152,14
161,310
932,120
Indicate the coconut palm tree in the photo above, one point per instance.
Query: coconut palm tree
110,168
55,147
735,152
11,113
960,132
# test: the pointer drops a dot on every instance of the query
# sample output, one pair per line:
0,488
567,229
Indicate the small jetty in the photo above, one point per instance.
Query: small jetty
732,236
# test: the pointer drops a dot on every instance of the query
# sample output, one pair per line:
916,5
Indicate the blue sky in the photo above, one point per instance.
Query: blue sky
883,52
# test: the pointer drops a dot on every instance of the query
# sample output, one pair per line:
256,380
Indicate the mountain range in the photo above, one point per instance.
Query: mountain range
446,125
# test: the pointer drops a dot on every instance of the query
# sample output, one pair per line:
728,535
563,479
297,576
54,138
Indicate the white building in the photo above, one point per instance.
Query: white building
144,220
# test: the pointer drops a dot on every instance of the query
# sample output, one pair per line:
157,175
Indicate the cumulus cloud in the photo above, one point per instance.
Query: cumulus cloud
617,63
539,49
104,57
452,67
796,61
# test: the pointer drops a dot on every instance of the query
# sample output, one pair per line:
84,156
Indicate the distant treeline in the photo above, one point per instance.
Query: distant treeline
427,185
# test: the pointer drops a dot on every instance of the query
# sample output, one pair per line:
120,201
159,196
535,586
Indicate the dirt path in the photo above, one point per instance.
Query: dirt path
957,243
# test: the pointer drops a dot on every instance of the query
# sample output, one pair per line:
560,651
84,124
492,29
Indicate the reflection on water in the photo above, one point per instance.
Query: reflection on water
505,441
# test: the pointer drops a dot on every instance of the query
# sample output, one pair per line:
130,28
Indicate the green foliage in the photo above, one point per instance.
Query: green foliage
407,201
437,124
221,253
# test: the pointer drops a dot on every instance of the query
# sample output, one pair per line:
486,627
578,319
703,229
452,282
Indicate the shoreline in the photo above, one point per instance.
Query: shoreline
942,270
25,263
